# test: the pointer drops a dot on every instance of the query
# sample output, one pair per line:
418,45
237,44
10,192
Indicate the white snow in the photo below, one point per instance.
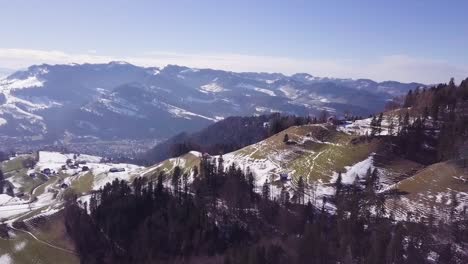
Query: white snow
12,84
6,259
20,246
258,89
120,106
363,127
289,92
47,202
265,91
179,112
5,198
212,88
195,153
103,176
262,109
358,169
52,160
55,160
20,108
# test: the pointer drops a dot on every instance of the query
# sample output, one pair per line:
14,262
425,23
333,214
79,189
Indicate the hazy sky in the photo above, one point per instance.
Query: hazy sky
411,40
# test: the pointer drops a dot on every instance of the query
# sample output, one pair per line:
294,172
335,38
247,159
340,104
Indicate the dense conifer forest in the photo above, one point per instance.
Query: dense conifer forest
221,219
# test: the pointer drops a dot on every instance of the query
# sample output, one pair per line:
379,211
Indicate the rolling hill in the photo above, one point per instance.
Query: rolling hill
318,152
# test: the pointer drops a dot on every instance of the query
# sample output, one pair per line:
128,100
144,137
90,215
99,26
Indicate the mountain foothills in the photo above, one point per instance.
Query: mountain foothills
224,136
63,104
390,188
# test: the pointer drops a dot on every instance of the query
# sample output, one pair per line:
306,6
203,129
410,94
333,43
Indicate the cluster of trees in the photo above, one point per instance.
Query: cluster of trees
225,136
440,112
5,186
4,156
432,126
2,181
220,218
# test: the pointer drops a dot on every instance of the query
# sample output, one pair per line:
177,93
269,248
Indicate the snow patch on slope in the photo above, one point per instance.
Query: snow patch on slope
179,112
258,89
289,92
13,84
358,169
6,259
212,88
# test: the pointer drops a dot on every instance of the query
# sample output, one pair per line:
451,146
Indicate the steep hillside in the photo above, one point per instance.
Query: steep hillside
433,191
318,152
223,136
315,152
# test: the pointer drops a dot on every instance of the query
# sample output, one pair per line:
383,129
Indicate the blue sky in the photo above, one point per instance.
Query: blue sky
413,40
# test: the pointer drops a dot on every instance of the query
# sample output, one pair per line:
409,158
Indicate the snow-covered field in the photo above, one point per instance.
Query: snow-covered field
357,170
212,87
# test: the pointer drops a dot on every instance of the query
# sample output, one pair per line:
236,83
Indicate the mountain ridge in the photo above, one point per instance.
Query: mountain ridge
45,102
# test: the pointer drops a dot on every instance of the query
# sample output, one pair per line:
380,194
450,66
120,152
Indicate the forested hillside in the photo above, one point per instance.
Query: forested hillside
446,108
224,136
221,219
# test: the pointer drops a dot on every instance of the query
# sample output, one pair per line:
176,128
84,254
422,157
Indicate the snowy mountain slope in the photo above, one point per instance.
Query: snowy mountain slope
433,190
315,152
44,102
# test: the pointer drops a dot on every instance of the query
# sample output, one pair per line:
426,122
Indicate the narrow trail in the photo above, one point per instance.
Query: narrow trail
31,209
313,163
44,242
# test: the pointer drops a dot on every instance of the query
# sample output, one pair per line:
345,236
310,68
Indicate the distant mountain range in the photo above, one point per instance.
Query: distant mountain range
5,72
123,101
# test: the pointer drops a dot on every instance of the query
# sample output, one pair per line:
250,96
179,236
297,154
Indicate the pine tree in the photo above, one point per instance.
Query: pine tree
283,198
379,123
446,256
185,184
409,99
405,124
159,185
395,248
373,125
195,171
176,180
338,184
348,258
2,181
221,165
300,190
391,127
286,138
251,184
266,190
400,124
